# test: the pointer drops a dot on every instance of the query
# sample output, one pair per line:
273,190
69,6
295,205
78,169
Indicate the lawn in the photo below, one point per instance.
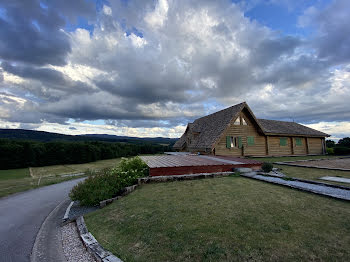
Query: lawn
223,219
306,173
18,180
14,173
291,158
313,173
72,169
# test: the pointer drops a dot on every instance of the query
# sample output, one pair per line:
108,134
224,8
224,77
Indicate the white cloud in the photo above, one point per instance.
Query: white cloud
149,61
158,16
107,10
337,130
84,128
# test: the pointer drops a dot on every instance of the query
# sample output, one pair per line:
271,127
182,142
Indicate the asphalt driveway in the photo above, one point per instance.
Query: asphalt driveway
22,215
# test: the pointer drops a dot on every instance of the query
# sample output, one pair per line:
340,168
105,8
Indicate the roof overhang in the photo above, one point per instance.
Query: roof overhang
303,135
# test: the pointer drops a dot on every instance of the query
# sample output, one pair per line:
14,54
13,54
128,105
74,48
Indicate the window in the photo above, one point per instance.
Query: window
237,122
240,121
298,142
283,141
233,142
228,142
250,141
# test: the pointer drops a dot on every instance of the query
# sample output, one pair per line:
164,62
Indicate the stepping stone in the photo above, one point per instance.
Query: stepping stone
243,169
336,179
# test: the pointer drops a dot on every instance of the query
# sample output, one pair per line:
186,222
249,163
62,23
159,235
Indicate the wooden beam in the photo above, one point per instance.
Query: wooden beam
307,145
324,146
292,144
267,145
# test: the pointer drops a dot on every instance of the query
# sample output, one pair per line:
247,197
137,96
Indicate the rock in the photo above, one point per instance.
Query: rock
243,169
111,258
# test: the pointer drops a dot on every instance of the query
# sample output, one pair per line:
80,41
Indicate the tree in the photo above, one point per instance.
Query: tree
345,142
330,143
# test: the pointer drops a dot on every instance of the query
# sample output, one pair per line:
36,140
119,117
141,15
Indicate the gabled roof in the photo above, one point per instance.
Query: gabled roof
288,128
211,127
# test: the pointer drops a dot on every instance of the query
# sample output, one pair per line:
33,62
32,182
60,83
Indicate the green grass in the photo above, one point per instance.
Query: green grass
18,180
291,158
223,219
76,168
313,173
14,174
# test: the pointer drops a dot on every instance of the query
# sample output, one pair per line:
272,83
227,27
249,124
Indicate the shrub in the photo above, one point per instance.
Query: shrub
267,167
339,150
109,183
330,151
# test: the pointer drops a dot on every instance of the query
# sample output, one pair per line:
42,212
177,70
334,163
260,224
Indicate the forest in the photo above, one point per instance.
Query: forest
15,153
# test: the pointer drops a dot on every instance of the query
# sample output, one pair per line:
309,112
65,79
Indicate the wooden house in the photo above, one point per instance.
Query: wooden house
235,131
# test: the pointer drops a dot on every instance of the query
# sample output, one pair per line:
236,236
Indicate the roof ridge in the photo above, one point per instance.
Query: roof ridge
219,111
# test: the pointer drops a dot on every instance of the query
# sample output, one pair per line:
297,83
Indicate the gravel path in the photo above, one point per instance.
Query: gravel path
318,189
73,247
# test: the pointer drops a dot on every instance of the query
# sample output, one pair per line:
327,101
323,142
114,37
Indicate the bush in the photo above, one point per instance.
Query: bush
330,151
339,150
109,183
267,167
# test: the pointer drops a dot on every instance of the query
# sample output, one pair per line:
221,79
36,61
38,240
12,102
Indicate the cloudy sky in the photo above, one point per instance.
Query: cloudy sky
146,68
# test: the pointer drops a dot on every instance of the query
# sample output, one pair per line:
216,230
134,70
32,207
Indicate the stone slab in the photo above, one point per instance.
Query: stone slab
88,239
111,258
336,179
243,169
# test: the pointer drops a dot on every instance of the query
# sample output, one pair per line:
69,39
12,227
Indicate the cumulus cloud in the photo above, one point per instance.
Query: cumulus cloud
31,31
159,64
332,36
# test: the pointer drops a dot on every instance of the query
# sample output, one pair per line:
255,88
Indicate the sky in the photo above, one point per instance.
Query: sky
147,68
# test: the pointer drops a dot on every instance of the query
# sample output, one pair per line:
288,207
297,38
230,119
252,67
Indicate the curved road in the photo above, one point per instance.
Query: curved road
21,216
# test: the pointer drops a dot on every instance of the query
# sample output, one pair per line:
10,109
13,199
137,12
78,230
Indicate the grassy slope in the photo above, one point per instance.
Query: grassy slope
223,219
18,180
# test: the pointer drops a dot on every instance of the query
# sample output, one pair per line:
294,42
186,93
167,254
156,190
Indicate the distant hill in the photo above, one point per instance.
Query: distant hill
47,137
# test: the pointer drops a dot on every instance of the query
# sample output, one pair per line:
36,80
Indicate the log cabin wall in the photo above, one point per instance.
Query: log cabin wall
243,131
275,147
299,149
315,146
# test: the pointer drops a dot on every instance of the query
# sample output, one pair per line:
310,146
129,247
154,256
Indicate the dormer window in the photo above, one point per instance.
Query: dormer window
240,121
237,122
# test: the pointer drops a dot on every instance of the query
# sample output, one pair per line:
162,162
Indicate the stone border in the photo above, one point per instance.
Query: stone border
92,245
66,214
160,179
125,191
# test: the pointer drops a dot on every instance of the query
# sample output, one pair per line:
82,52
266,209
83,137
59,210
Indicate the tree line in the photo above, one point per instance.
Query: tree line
340,148
20,154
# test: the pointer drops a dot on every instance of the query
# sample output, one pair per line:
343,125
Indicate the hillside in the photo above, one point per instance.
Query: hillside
48,136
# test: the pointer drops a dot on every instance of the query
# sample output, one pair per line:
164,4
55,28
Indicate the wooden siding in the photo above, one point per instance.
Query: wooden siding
299,150
275,149
315,146
258,149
